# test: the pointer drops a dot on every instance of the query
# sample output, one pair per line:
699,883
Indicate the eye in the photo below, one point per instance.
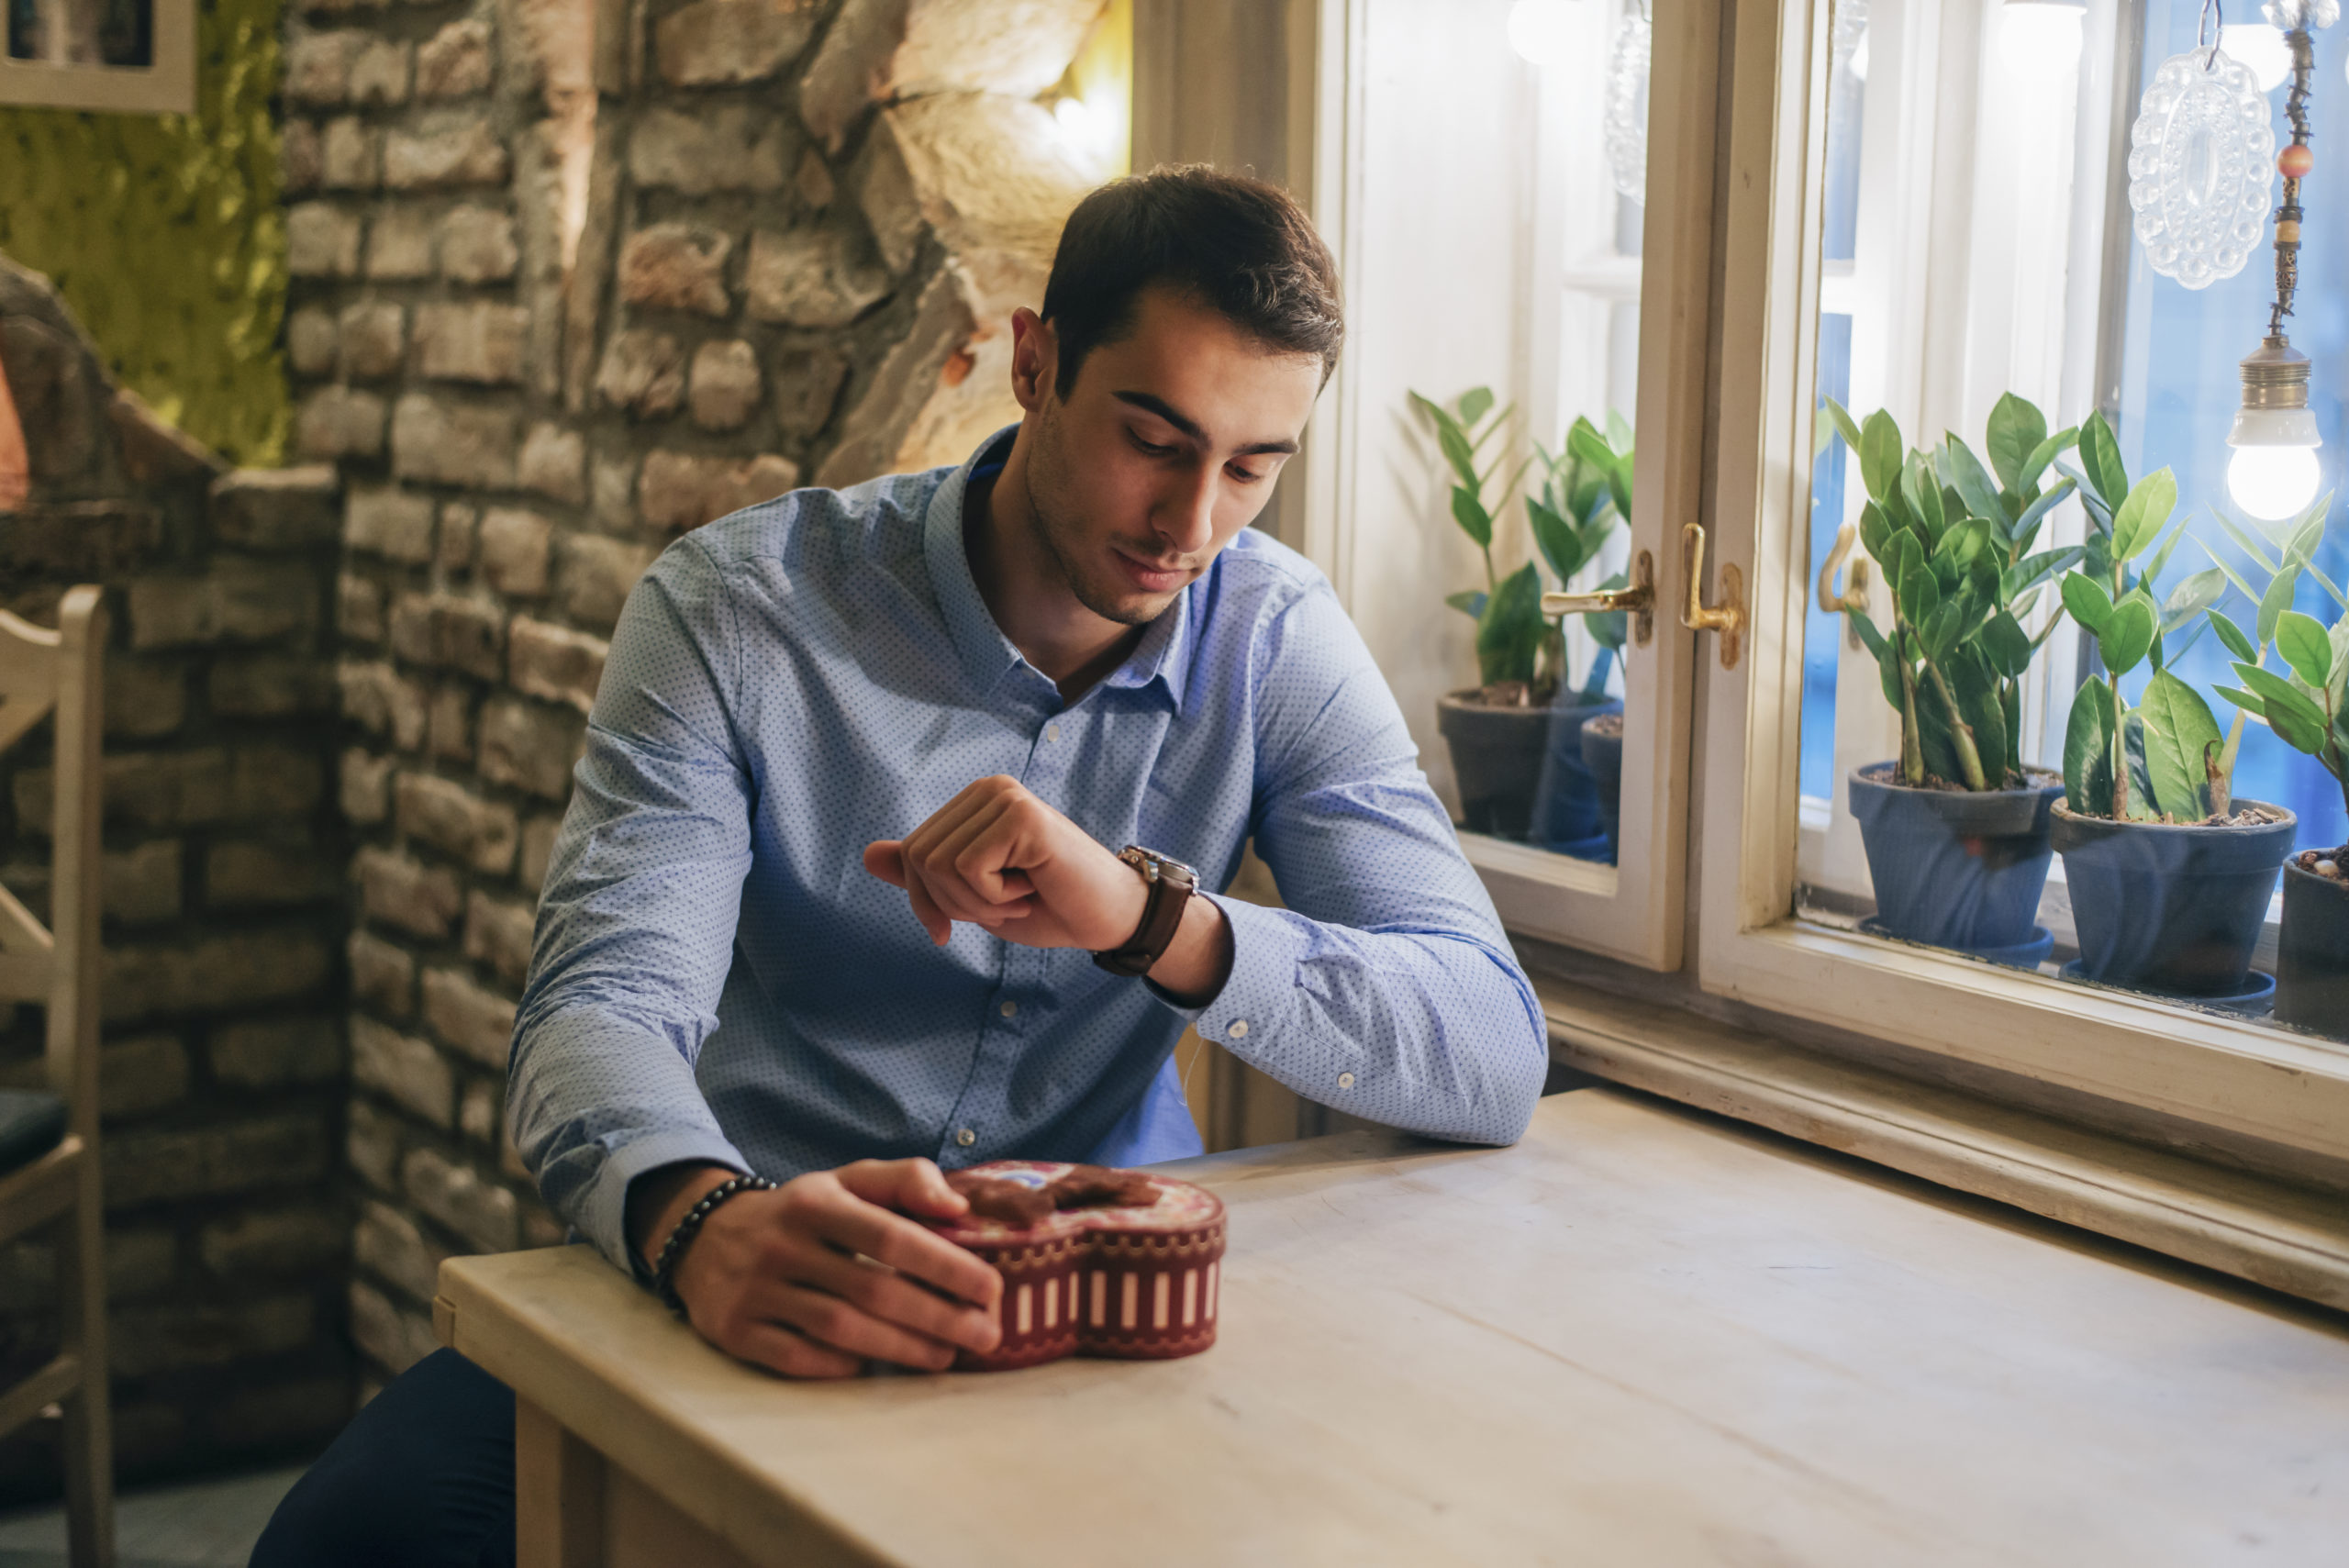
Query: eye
1244,476
1148,449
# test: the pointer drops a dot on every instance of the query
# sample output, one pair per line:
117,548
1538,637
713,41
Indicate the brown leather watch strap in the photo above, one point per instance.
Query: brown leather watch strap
1171,885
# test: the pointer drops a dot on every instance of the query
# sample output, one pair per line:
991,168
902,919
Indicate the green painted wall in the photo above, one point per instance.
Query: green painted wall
166,235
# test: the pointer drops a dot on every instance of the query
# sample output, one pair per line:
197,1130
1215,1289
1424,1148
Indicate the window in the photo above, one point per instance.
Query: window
1935,207
137,55
1478,201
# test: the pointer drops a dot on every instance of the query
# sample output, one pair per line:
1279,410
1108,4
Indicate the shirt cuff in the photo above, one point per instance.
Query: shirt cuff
604,1217
1267,948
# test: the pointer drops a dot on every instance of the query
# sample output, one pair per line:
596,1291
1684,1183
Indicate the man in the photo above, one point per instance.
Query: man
845,846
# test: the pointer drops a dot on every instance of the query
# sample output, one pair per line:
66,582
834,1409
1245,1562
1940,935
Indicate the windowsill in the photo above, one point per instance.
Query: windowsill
1507,858
2275,1234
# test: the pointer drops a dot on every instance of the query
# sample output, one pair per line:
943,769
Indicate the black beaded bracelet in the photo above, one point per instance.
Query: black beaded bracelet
664,1268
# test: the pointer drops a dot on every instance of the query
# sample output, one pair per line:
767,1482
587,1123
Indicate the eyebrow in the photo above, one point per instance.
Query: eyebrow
1189,427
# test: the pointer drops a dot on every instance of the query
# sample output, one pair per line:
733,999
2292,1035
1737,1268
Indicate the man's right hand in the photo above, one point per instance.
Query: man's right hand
826,1271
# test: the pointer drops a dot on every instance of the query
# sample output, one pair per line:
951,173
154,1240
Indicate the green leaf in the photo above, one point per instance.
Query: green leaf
2247,542
1470,514
2160,558
2005,644
2032,570
2141,778
2028,519
1475,404
2243,700
2087,751
1888,666
2191,598
1608,627
2238,644
1469,602
2301,640
1964,472
2100,461
1458,452
1560,544
1864,628
2015,430
1923,493
1619,484
1918,595
2307,534
2087,601
1846,424
1510,632
2139,520
2275,601
2045,452
2299,721
1880,455
2126,636
2179,731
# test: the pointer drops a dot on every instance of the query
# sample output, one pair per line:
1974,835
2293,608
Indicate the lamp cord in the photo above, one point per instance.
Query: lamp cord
2287,215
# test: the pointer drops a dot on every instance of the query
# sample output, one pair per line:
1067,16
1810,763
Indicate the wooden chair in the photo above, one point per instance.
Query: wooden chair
49,1142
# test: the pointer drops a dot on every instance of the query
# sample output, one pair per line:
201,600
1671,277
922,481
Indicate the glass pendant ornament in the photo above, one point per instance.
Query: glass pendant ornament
1627,104
2201,166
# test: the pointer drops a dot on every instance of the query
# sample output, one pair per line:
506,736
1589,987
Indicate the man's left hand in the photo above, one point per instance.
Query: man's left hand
1004,860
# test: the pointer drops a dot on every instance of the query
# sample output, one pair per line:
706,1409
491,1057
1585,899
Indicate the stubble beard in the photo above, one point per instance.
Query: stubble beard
1070,554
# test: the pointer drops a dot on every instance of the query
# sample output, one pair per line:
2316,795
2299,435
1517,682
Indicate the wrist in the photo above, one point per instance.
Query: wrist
658,1199
1193,968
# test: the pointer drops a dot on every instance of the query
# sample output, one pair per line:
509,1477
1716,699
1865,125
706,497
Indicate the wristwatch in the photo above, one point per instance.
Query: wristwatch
1171,884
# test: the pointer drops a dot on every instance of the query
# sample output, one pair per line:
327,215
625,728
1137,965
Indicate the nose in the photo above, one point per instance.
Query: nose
1186,518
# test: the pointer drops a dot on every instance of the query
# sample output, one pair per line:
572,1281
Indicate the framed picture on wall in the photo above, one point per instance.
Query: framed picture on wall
135,56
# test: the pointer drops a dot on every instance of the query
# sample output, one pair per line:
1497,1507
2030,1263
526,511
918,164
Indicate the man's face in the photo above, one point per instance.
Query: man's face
1166,447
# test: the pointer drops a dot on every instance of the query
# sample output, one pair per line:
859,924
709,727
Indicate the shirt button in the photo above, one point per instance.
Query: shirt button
967,1137
1009,1009
1239,1029
1052,732
1345,1080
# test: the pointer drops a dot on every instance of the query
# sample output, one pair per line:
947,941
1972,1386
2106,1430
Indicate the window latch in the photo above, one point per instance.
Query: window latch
1639,600
1727,616
1854,595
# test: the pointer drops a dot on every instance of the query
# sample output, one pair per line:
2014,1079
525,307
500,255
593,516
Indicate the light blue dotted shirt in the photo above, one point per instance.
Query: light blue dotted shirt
718,978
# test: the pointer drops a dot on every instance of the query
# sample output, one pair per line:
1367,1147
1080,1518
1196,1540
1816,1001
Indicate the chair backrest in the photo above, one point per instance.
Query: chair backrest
57,965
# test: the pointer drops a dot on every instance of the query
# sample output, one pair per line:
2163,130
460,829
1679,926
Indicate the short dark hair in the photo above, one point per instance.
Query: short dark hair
1235,243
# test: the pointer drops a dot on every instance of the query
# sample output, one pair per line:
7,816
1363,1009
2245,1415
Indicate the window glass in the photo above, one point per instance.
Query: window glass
2024,427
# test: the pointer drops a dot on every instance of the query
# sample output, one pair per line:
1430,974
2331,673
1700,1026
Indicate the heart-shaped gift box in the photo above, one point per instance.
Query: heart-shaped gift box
1094,1263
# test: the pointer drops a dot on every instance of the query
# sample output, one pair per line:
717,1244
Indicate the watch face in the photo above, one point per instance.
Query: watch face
1152,864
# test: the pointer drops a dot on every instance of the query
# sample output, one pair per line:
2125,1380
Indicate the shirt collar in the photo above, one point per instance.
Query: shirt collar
1161,657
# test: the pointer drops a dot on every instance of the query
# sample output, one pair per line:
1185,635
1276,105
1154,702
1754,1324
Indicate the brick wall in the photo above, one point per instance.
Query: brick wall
562,293
222,1073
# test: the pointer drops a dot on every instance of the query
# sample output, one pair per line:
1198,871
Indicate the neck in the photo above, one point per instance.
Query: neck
1025,589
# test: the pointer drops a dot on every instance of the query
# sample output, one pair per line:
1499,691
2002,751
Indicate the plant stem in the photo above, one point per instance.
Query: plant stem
1969,756
2119,753
1912,749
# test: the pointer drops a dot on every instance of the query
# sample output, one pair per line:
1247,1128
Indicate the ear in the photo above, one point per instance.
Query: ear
1035,359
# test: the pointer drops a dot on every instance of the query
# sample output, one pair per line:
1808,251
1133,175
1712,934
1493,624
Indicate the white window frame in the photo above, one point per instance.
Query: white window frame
2253,1080
1396,189
168,86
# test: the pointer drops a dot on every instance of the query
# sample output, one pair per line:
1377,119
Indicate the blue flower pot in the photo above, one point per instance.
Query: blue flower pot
1952,868
2312,951
1569,816
1602,753
2173,907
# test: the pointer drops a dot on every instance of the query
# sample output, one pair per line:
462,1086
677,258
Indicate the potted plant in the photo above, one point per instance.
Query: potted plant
2170,874
2305,707
1499,731
1586,491
1955,827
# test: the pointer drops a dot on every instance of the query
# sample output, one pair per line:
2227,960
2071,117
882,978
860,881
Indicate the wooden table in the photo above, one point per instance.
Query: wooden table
1640,1337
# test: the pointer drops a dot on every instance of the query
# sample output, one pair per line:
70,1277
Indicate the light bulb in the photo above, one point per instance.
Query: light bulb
2261,47
2273,483
1541,32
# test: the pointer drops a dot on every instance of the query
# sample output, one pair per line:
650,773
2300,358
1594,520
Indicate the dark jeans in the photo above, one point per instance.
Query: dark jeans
423,1477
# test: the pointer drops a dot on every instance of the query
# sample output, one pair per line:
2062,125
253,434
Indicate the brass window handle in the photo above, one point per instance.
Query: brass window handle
1854,595
1639,599
1727,617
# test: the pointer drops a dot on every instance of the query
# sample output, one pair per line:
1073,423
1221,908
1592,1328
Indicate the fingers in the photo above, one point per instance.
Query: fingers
914,1186
881,859
842,1219
788,1351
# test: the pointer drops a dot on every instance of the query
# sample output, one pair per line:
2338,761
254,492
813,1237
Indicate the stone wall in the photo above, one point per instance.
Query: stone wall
222,1074
565,287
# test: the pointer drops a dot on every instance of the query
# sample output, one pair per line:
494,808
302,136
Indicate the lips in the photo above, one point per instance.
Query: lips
1149,578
